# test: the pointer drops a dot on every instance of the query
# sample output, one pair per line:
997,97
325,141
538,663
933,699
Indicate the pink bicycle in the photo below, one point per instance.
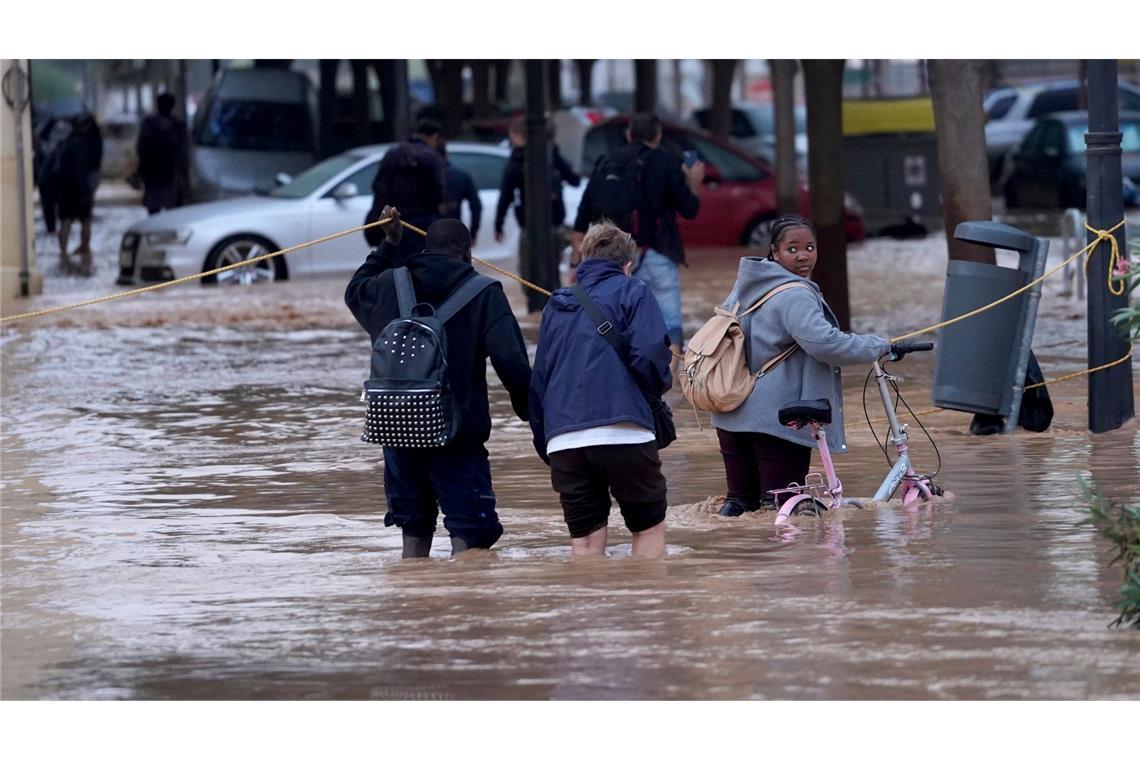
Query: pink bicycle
819,493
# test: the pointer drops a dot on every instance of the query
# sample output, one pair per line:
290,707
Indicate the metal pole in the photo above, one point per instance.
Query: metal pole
1110,391
15,88
538,263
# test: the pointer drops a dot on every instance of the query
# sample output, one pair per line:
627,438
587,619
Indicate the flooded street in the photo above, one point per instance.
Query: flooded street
188,514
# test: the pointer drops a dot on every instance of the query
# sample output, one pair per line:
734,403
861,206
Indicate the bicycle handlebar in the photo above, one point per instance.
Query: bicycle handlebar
899,350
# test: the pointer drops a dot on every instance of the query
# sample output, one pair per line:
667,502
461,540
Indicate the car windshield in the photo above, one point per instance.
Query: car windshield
312,178
1129,140
256,125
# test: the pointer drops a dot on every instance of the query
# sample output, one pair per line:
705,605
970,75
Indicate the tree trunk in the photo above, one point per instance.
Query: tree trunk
447,80
361,119
959,124
720,115
327,104
585,67
393,76
823,83
645,85
502,81
553,84
784,103
481,106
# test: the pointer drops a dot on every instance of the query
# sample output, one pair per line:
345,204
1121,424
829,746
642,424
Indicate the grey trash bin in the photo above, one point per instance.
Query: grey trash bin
981,361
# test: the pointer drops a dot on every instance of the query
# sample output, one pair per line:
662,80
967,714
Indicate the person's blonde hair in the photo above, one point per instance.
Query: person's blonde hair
605,240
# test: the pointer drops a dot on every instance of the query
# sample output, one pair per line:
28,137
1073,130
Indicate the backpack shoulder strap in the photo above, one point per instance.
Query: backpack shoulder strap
774,291
405,292
462,296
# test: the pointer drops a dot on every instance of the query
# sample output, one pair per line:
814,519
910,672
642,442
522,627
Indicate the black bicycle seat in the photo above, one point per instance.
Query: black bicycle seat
805,411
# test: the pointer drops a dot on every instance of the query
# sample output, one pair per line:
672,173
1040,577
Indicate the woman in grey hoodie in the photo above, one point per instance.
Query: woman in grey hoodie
759,453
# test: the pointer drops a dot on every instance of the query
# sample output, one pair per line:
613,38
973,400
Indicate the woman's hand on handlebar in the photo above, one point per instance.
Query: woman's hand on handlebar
901,349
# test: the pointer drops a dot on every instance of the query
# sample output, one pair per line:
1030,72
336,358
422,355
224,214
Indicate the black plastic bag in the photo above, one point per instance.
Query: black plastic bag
1036,409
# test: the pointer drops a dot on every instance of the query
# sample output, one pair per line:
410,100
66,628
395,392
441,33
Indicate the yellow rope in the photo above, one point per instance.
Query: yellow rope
1071,375
1088,250
1114,257
248,262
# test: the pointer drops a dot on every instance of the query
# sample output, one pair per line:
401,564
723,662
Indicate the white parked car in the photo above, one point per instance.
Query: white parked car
330,197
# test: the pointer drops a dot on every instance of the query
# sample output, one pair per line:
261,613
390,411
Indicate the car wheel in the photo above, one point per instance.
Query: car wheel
759,234
241,248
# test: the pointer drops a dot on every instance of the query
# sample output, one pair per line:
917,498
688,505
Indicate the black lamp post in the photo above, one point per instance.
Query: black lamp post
1110,391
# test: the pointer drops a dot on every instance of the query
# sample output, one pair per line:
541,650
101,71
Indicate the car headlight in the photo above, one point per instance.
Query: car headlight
167,237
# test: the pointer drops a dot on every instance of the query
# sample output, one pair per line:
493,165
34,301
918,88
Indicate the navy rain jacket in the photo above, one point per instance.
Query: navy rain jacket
578,380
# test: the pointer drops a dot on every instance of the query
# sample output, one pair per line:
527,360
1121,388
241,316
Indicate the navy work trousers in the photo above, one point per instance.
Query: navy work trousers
418,483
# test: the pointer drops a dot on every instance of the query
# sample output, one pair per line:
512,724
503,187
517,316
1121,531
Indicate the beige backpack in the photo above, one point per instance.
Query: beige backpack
716,377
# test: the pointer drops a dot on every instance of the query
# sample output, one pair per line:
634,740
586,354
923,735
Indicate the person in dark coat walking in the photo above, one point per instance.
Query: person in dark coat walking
410,178
77,178
588,410
457,476
512,192
459,186
51,138
668,188
163,152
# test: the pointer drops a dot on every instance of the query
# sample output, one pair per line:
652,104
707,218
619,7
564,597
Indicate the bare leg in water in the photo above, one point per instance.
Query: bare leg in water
647,544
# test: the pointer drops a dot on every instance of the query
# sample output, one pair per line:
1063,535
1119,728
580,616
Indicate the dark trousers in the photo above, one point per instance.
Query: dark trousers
755,463
418,483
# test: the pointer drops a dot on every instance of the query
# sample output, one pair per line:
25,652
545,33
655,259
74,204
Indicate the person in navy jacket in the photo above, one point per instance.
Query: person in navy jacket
588,410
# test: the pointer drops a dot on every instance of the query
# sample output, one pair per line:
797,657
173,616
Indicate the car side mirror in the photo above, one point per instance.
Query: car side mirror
712,174
282,179
345,190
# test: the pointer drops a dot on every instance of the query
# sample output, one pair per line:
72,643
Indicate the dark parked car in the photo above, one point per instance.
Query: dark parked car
738,203
1047,169
1012,111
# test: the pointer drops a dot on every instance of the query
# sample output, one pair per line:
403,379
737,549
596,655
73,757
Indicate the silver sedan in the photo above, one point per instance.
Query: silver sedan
331,196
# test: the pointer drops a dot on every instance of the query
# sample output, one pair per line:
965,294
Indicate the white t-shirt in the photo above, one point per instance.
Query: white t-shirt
605,435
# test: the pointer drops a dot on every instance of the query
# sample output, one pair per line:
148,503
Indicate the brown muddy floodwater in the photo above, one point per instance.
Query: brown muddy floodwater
188,514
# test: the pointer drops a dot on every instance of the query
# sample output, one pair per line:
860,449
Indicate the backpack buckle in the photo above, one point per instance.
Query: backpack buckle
760,374
605,327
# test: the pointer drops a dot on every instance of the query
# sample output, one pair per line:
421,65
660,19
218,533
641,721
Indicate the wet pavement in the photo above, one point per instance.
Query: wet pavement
188,514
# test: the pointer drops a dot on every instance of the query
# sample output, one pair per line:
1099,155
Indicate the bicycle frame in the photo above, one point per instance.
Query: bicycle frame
830,493
902,473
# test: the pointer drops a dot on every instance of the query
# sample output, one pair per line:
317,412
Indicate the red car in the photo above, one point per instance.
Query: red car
738,203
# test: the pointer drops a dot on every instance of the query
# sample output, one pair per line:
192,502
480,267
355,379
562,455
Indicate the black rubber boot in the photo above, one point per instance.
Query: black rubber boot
416,546
458,545
734,506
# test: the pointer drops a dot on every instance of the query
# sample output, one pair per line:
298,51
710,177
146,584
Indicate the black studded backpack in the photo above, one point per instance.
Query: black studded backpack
410,404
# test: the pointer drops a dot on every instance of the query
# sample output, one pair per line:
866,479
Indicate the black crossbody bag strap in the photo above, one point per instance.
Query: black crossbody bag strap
606,328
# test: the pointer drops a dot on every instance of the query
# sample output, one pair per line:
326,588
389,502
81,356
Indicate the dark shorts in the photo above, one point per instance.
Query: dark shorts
584,479
418,483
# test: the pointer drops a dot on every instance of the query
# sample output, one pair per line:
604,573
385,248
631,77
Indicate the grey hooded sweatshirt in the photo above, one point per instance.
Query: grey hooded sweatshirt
797,315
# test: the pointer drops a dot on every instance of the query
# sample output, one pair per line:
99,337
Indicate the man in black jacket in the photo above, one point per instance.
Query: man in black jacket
409,177
456,476
667,188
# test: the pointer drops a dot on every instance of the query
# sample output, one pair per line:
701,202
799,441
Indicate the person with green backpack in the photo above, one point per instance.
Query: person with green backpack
792,350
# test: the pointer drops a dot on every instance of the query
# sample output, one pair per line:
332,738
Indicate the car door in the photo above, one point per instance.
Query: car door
1047,175
329,214
1019,184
